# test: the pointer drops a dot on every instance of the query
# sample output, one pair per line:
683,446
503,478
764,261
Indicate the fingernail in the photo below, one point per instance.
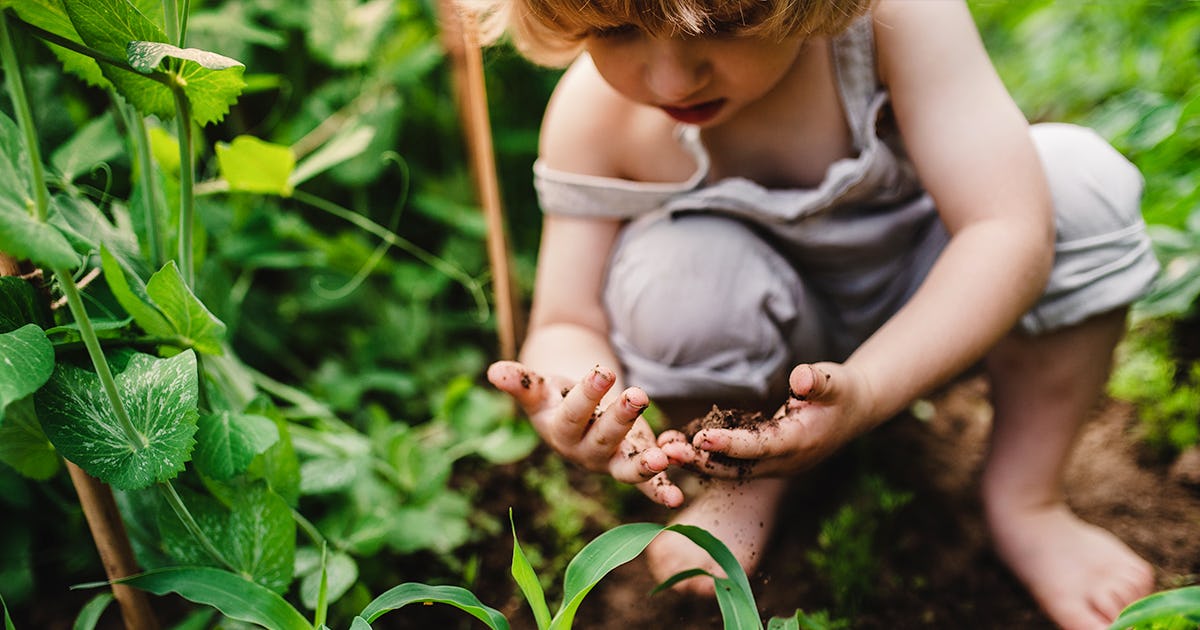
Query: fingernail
706,443
600,378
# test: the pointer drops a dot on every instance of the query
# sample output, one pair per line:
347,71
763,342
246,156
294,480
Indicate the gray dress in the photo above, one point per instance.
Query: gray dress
717,288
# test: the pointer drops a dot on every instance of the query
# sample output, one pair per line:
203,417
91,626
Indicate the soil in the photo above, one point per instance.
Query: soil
936,568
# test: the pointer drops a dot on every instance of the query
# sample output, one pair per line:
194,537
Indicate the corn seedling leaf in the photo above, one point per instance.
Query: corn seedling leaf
8,622
784,623
1176,604
525,577
605,553
160,397
677,578
235,596
414,593
26,363
89,615
256,166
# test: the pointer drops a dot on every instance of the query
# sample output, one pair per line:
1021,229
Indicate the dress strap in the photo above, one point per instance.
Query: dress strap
854,65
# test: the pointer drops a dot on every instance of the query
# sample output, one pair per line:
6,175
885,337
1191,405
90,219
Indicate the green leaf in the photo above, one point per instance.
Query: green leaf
341,573
8,622
23,444
52,16
343,146
346,33
89,615
256,166
159,396
212,82
605,553
146,56
525,577
109,26
233,595
96,142
24,237
131,294
192,321
414,593
784,623
734,596
1176,604
20,305
26,363
21,234
227,442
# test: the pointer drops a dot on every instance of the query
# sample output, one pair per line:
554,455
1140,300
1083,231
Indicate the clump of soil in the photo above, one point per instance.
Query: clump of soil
729,419
718,418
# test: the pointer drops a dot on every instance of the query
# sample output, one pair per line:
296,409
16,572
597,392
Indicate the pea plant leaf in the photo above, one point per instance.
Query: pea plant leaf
23,444
192,322
249,164
159,396
131,294
22,235
251,526
108,26
51,15
26,362
211,81
227,442
20,305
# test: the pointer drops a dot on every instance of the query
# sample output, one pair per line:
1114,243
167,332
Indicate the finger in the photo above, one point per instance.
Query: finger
523,384
739,443
677,448
579,404
661,490
721,466
612,425
632,464
810,382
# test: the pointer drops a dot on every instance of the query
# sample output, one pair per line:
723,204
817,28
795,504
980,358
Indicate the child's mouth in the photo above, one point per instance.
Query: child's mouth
695,114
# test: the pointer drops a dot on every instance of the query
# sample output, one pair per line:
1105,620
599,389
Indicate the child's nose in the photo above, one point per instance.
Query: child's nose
676,69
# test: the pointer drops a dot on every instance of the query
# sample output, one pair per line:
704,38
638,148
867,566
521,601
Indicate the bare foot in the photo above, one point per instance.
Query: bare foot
1081,575
739,513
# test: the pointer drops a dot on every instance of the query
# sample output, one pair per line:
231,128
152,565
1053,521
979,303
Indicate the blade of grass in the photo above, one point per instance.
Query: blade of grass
414,593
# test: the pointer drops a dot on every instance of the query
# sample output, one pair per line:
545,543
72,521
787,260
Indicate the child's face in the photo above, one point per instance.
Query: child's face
702,80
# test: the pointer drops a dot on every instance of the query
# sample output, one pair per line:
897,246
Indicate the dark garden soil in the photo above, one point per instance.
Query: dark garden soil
936,569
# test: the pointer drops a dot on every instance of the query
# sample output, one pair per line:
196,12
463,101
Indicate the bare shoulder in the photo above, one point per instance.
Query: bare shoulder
591,129
925,37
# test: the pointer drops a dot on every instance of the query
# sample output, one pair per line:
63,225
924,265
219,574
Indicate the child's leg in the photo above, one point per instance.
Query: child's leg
740,514
1043,388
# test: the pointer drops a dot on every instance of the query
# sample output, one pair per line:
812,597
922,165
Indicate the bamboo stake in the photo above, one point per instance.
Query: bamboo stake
108,530
461,41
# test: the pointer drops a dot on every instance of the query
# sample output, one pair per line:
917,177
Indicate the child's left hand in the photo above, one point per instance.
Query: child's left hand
829,406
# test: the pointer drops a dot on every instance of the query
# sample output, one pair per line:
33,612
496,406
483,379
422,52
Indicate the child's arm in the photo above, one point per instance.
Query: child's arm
971,147
597,423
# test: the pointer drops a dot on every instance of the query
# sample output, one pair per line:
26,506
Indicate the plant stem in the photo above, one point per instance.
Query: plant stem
187,182
171,17
88,333
20,100
141,142
183,23
189,522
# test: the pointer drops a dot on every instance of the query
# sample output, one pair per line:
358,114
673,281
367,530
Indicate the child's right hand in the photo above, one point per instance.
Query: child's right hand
615,440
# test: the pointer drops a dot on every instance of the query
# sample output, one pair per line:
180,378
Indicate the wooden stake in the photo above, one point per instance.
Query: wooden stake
108,530
461,41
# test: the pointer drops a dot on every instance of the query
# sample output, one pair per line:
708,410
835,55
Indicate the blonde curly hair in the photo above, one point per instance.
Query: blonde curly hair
552,32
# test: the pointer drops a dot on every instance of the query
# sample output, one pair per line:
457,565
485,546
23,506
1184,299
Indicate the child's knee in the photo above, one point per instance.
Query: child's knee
705,296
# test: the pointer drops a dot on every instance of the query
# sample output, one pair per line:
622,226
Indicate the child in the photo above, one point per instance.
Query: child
826,208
